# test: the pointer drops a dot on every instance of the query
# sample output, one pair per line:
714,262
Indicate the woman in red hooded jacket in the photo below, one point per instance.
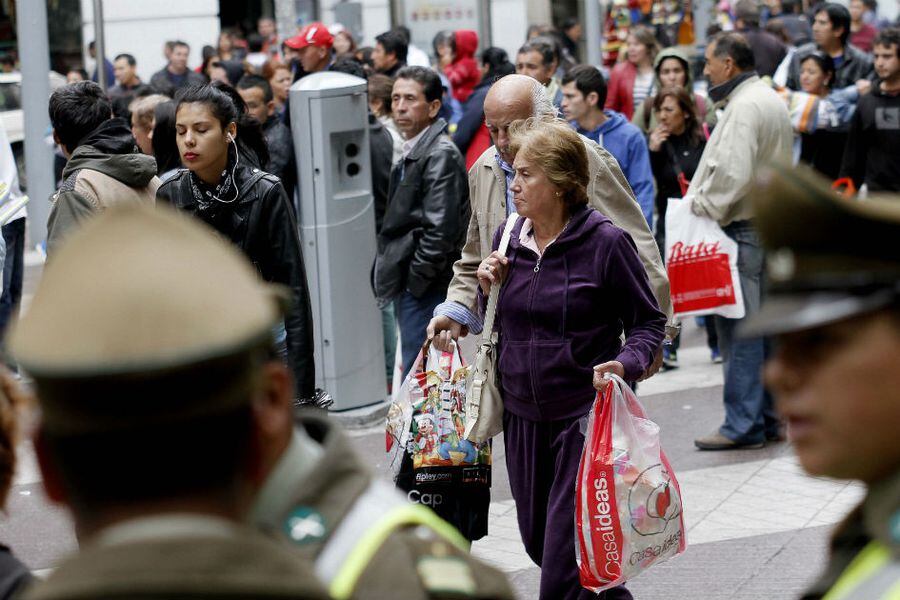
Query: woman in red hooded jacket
459,64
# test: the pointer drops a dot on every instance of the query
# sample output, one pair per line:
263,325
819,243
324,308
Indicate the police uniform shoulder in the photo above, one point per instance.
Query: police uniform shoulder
441,568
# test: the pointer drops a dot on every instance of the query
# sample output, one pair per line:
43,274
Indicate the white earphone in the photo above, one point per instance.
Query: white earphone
237,160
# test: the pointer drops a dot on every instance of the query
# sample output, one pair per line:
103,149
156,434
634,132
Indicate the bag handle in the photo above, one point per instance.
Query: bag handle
488,330
634,405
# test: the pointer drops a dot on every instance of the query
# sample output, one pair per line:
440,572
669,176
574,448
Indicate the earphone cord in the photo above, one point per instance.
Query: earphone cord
237,160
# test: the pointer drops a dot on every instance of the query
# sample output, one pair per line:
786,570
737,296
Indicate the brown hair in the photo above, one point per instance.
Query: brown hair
645,36
380,88
270,67
347,34
558,152
686,103
142,109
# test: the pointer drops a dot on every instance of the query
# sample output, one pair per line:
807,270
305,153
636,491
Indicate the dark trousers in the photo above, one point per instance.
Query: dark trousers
413,315
542,458
712,337
13,272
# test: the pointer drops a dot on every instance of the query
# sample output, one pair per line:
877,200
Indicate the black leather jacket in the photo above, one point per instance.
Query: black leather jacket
425,221
262,224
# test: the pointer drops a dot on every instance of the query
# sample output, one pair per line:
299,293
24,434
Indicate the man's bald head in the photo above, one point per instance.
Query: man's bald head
513,98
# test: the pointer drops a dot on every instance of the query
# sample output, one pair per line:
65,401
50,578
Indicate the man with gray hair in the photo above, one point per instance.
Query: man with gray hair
754,129
513,98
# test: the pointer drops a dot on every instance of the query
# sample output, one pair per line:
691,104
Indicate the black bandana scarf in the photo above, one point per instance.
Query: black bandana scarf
207,195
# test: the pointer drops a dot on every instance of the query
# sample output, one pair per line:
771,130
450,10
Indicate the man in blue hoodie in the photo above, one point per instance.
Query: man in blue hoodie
584,94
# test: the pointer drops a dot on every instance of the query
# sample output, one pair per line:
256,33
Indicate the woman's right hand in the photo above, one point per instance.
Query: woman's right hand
657,137
492,270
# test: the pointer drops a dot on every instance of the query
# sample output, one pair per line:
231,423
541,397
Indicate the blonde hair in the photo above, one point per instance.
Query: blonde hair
142,110
555,148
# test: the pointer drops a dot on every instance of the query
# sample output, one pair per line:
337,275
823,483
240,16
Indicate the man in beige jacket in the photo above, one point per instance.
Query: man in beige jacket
754,129
513,98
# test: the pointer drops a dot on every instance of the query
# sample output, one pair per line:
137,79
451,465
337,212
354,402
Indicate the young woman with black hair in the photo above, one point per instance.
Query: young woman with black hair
220,146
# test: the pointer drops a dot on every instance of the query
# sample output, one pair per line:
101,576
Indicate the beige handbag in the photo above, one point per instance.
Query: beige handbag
484,406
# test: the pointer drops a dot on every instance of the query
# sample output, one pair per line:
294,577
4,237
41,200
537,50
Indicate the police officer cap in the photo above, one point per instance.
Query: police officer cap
828,258
139,290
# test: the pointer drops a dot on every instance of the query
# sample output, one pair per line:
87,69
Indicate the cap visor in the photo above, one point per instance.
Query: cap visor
797,312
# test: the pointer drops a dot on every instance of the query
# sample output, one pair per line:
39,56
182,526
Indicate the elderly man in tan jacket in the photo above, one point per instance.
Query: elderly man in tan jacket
754,129
513,98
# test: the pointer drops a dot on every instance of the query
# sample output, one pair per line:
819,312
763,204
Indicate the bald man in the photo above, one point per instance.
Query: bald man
512,98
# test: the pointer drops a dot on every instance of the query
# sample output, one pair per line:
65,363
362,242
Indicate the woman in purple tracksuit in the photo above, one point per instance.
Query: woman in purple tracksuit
572,285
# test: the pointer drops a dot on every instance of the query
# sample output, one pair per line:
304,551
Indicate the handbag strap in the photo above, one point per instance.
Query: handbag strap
491,311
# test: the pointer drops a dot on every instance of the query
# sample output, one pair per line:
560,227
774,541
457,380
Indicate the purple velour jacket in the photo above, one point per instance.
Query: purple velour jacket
562,314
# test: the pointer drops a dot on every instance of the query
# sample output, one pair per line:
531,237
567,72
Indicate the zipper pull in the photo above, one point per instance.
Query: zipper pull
537,266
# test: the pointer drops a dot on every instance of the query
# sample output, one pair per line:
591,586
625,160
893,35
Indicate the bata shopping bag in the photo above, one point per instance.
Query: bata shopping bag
628,514
438,467
702,264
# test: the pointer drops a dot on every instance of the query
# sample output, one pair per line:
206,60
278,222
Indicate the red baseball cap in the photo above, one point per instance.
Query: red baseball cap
314,34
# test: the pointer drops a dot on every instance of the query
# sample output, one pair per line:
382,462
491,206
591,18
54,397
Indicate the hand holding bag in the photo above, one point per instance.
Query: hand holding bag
484,406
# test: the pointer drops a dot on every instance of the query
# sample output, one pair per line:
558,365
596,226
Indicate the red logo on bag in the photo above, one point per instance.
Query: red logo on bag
651,511
700,277
605,522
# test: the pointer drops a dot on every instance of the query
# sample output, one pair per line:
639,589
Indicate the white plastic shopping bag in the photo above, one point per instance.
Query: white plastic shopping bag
702,264
628,512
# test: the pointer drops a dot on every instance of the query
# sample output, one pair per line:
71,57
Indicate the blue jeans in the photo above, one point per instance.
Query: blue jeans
413,315
749,411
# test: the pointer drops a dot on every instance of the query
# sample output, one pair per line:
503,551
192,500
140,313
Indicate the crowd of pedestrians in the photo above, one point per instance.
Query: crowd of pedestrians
588,157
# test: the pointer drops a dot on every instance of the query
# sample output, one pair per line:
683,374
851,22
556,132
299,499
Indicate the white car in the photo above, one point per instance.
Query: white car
11,111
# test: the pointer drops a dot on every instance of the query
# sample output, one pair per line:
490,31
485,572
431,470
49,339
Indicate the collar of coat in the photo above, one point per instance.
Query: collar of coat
424,144
723,91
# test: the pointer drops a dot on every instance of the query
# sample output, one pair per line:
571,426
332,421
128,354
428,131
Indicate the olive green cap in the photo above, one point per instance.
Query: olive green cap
828,258
136,293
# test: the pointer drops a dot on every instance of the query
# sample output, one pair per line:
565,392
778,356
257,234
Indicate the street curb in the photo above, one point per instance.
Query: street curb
359,418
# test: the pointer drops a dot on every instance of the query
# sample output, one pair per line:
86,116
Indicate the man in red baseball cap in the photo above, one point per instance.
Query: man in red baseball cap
313,45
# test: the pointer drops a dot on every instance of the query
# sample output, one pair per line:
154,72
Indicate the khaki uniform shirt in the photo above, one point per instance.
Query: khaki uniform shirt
608,192
876,519
312,490
179,556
